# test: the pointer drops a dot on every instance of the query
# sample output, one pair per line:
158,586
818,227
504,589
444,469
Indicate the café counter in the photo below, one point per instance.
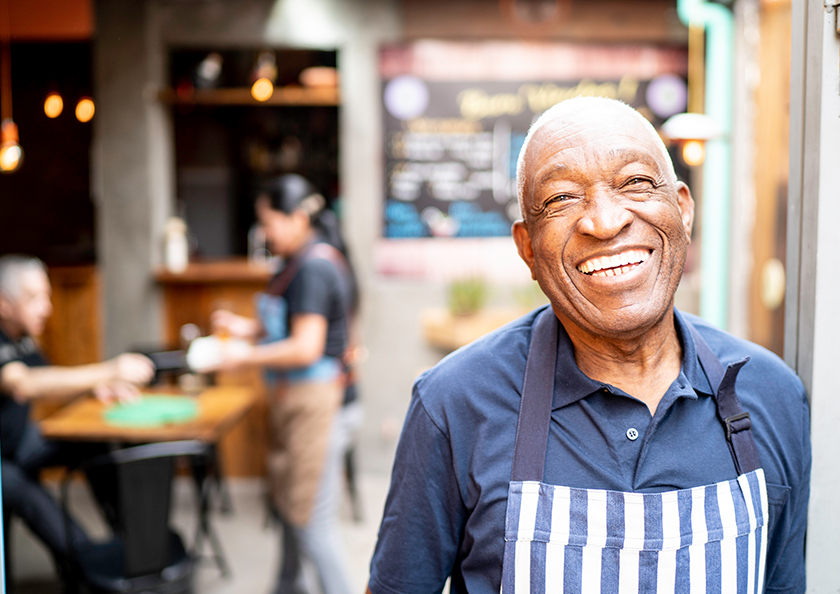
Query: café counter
189,297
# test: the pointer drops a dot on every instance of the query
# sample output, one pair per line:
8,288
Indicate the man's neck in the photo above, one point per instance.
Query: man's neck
643,366
11,330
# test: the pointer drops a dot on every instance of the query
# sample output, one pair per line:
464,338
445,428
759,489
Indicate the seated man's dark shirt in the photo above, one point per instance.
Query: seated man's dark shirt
14,416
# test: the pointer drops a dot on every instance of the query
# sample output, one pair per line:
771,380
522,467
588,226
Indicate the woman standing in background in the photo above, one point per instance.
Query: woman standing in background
302,334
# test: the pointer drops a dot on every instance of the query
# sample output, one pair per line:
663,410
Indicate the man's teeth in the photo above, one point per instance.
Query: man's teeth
614,265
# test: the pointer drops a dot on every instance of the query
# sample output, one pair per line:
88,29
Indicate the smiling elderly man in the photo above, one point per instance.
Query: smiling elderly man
607,443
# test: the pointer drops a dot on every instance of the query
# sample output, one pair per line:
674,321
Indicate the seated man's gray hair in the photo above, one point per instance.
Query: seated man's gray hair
11,267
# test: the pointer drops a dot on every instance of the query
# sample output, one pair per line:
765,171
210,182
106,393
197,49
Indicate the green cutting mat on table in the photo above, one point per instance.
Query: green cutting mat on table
153,410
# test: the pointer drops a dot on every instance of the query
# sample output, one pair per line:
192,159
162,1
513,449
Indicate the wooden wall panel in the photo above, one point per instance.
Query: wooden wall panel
771,166
73,334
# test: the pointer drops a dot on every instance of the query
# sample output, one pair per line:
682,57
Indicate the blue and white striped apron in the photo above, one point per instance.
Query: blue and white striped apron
560,539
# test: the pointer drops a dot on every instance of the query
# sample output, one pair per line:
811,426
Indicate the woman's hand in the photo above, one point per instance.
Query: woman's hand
224,324
227,355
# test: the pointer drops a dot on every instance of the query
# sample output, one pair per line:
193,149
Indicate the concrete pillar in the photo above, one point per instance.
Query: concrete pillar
132,161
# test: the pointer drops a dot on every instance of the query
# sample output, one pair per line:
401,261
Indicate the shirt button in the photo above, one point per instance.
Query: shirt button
632,434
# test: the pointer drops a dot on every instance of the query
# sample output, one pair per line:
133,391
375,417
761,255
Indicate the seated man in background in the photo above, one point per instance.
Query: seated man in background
25,375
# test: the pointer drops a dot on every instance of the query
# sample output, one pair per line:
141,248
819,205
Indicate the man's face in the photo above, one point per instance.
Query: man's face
27,311
606,227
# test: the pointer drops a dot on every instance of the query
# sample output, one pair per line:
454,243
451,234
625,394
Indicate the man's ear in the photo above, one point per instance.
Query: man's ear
686,204
522,238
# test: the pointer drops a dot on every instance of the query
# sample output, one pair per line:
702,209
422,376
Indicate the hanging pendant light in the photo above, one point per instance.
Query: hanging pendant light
85,109
53,105
11,155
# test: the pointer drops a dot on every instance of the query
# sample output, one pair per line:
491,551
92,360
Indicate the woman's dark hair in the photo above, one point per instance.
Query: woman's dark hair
290,192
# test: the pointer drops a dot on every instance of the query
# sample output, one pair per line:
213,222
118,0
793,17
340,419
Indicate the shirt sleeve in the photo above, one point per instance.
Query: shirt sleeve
313,289
786,554
8,353
424,514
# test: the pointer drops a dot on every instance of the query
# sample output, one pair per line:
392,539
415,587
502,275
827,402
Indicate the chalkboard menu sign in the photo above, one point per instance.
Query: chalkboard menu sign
456,116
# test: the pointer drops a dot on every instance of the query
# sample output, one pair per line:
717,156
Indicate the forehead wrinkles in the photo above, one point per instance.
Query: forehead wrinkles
585,151
580,117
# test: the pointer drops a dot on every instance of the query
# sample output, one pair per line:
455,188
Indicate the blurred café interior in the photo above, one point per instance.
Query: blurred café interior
146,127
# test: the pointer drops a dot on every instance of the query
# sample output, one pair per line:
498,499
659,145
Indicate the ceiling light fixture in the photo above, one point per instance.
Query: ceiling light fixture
691,131
85,109
11,154
53,105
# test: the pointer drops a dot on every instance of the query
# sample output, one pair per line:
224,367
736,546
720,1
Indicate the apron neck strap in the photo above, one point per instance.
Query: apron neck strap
736,421
538,393
537,396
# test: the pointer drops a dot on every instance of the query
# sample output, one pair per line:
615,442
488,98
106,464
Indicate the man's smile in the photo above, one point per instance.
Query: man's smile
614,265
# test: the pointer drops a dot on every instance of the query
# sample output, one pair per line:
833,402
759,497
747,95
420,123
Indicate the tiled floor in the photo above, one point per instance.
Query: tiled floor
250,547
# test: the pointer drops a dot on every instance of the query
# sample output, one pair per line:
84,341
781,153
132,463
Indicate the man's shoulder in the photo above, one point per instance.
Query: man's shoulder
25,350
765,382
730,348
487,371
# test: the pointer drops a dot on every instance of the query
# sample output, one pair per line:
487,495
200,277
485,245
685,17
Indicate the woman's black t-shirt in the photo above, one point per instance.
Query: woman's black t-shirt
319,287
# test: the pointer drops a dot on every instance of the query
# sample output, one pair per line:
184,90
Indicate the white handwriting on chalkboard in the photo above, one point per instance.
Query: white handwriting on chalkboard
477,104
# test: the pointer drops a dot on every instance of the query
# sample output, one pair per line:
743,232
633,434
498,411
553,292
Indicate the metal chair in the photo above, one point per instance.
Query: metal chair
146,555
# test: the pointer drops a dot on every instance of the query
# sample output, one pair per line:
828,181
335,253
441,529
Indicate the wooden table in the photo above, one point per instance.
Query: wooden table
219,409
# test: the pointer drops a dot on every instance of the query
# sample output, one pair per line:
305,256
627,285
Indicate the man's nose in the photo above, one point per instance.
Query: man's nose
605,216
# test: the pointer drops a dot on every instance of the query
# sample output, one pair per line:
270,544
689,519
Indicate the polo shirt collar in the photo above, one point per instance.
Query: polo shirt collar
571,384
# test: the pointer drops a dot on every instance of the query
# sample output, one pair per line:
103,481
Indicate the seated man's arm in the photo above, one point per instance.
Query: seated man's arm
27,383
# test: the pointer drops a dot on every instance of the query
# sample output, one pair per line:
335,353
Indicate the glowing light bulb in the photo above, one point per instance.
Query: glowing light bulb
85,109
262,89
11,155
694,153
53,105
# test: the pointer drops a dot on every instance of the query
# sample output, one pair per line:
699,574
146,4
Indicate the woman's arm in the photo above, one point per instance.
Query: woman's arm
227,323
304,346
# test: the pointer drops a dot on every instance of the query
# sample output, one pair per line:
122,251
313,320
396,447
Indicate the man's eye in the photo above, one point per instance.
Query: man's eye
559,198
638,182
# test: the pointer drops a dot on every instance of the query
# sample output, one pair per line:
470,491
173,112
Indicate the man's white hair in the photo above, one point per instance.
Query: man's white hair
563,109
12,266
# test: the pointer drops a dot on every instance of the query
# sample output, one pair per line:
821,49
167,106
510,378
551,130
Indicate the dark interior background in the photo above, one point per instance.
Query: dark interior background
45,206
225,152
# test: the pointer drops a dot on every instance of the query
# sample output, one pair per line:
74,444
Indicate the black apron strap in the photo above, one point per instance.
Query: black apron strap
736,421
537,395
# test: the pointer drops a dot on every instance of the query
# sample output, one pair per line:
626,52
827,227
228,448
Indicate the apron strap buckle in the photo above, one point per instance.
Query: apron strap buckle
733,425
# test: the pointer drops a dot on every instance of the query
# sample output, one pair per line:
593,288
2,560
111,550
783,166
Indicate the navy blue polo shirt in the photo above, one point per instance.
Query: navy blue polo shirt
445,512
